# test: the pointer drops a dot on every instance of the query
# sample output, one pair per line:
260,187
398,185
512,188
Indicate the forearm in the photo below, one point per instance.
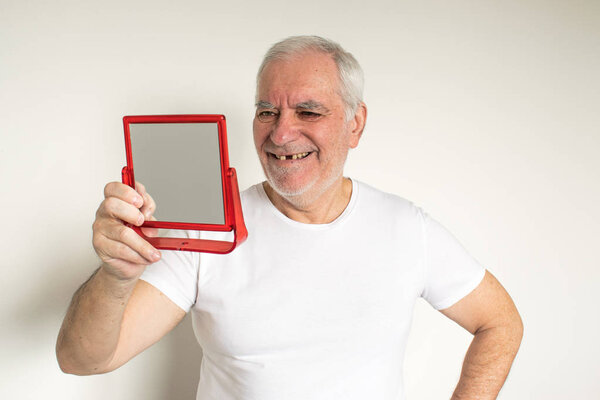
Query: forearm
488,362
90,331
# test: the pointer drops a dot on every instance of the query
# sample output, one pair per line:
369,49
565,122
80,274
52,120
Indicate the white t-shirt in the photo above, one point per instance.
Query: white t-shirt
304,311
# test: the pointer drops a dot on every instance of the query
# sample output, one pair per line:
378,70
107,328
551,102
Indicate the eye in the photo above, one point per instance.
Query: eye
309,115
266,115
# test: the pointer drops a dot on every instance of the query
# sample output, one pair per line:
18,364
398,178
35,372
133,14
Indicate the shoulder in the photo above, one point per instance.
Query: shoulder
251,194
255,203
373,198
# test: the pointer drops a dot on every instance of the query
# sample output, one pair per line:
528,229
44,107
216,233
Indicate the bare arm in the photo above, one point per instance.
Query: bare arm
491,316
114,316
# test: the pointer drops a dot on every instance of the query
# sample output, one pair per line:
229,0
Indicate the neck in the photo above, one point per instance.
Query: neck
322,208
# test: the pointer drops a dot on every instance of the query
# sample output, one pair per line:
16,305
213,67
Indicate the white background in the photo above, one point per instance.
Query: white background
484,113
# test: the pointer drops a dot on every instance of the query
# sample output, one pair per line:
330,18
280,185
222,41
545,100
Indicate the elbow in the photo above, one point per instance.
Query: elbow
64,362
513,325
70,367
67,365
519,328
507,331
516,324
70,364
513,328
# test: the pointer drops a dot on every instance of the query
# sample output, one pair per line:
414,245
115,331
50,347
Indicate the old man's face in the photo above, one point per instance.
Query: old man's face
300,131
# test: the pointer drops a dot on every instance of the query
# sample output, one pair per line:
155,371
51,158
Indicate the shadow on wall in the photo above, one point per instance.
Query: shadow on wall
183,366
177,367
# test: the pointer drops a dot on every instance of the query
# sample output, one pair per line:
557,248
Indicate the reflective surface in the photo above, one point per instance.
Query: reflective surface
179,164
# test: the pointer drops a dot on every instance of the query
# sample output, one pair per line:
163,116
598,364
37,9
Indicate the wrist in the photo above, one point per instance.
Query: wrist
114,284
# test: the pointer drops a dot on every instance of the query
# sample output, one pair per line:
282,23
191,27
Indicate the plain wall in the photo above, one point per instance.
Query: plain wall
486,114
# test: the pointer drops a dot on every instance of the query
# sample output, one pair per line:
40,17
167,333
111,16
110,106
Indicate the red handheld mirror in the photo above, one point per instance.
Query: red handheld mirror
182,161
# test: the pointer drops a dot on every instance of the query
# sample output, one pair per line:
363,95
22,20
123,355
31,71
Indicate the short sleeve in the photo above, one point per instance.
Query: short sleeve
450,272
176,276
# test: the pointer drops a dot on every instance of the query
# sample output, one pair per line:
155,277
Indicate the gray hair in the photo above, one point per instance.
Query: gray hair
349,70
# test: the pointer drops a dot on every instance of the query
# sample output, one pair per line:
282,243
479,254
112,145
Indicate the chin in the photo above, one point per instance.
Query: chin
287,189
302,194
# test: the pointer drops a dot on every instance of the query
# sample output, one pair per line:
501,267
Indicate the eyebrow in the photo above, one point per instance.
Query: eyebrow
311,105
264,104
305,105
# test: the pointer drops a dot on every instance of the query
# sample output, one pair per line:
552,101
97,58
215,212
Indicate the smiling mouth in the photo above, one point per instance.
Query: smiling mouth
298,156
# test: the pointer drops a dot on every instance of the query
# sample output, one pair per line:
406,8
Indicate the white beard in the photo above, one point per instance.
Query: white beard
307,194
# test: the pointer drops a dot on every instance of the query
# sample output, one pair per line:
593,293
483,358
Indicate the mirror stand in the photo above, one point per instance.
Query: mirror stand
202,245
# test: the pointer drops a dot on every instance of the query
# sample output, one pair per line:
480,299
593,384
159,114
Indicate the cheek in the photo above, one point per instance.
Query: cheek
258,134
342,141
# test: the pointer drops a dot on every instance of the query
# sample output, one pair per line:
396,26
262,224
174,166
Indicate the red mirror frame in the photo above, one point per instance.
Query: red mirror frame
234,220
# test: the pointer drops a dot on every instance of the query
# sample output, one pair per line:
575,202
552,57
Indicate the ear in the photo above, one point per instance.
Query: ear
358,125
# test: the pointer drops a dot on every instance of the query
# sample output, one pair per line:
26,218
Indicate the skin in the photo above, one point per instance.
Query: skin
114,316
304,113
488,313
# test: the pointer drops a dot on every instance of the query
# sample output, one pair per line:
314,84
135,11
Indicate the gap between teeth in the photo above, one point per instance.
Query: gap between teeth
292,157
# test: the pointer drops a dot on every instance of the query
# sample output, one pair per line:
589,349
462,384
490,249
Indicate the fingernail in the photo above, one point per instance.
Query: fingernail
155,255
137,201
140,219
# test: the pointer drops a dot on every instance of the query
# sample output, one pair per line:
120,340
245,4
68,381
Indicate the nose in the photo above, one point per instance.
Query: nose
285,130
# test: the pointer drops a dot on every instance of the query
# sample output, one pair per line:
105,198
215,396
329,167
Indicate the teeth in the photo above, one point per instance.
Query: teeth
292,157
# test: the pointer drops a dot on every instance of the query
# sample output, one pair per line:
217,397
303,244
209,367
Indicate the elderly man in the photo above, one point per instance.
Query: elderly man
317,303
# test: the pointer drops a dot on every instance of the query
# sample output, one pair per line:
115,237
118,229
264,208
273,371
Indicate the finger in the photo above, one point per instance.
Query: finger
111,250
141,188
135,242
115,208
123,192
147,209
149,206
150,232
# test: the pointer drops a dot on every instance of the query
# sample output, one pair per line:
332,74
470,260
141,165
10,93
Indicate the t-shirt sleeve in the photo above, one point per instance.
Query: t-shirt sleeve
450,272
176,276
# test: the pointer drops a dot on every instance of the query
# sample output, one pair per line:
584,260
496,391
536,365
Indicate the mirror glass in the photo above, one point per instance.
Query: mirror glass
180,166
